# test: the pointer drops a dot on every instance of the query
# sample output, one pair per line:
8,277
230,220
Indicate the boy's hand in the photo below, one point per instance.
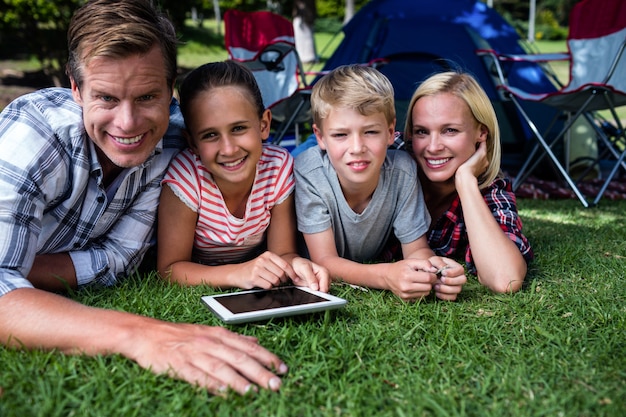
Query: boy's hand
410,279
310,274
450,278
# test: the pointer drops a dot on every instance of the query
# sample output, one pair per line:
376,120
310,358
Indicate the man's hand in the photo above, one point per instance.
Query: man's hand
211,357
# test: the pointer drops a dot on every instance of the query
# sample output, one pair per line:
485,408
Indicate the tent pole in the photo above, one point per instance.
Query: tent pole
531,21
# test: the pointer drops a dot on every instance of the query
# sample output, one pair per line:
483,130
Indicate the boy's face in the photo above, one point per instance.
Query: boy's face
356,144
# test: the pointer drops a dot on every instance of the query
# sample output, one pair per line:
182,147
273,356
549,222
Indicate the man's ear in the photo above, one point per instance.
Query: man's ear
318,136
76,92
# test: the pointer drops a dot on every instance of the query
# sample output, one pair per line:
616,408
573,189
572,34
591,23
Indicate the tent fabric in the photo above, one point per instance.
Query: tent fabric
421,37
366,34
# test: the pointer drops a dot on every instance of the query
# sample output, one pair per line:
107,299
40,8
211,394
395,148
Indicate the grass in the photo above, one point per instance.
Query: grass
557,348
554,349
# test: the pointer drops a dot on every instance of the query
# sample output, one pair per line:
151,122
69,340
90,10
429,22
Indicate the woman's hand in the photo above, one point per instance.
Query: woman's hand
476,165
450,279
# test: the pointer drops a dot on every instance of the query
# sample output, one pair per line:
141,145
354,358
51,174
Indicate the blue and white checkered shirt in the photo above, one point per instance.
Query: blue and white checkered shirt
52,199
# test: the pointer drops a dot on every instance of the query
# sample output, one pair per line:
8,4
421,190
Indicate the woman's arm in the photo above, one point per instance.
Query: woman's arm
499,263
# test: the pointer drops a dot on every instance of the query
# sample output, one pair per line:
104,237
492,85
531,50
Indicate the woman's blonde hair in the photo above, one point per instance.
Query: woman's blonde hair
465,87
357,87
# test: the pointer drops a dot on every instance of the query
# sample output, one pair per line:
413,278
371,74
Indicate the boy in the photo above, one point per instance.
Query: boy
352,193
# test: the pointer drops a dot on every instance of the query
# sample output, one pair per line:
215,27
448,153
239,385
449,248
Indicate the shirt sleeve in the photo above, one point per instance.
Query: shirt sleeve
412,218
122,246
182,177
285,182
312,209
25,182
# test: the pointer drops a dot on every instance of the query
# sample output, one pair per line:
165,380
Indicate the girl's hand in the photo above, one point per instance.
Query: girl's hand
310,274
265,271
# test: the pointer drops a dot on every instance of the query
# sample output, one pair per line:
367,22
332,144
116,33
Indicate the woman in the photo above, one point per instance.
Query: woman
453,133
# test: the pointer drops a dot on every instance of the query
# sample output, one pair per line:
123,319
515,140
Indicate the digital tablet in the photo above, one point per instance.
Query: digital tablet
255,305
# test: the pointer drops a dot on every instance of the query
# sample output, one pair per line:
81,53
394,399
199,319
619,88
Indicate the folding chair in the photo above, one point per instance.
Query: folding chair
265,43
596,53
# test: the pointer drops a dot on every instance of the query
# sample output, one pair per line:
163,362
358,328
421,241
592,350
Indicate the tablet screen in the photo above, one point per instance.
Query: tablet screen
264,300
251,305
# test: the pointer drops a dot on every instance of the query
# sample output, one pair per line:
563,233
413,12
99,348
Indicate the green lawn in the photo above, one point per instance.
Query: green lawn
557,348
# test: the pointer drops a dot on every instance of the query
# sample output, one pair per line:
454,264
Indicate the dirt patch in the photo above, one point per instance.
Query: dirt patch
8,93
16,83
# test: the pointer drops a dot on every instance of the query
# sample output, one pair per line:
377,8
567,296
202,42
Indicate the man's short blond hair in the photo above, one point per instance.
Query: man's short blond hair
357,87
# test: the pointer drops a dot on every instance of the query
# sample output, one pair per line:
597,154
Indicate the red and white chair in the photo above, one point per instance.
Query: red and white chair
597,56
265,43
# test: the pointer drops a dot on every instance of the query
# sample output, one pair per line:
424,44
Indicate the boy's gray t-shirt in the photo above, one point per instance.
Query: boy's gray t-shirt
397,205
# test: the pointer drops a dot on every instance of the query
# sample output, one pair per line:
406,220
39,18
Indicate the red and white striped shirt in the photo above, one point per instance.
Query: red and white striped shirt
220,237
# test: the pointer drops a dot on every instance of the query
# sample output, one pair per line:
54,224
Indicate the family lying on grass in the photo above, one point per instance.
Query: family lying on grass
83,170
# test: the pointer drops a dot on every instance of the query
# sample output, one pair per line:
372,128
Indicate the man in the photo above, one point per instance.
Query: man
79,184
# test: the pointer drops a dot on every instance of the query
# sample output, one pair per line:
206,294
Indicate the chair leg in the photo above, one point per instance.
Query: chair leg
620,157
282,130
605,139
548,150
608,180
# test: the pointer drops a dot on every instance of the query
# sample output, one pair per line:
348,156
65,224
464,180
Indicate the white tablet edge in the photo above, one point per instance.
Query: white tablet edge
332,302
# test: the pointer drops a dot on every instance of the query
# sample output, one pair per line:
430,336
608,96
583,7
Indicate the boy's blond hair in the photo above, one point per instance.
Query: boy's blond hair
357,87
465,87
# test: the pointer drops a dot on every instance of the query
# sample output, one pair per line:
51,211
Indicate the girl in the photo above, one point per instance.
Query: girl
226,215
453,132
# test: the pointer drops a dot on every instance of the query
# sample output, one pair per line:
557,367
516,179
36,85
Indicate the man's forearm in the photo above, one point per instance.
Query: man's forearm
33,319
53,272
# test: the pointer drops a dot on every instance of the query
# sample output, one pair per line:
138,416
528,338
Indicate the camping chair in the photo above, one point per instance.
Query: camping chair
597,56
264,42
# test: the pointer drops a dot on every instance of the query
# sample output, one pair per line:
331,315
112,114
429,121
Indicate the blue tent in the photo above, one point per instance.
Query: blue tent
421,37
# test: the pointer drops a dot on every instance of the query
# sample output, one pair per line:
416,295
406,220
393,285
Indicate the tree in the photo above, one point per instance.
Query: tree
349,11
39,28
304,15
